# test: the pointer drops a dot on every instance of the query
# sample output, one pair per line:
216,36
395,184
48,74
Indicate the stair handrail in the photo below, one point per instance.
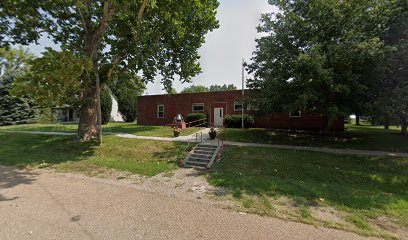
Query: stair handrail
196,137
220,136
191,151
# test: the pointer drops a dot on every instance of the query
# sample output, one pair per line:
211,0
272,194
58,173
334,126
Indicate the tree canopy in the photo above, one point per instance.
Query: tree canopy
320,56
391,102
144,36
172,91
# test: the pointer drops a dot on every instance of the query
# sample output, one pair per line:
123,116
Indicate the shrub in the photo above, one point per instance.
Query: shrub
196,116
127,106
14,110
234,121
106,106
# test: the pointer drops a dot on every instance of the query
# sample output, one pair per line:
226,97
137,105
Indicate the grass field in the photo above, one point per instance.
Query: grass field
131,128
354,137
361,191
143,157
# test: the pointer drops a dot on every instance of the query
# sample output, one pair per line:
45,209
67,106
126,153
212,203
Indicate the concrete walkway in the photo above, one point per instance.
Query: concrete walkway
206,140
188,138
45,133
45,205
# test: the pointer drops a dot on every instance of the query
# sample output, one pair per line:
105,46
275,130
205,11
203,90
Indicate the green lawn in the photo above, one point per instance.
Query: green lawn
143,157
363,189
354,137
131,128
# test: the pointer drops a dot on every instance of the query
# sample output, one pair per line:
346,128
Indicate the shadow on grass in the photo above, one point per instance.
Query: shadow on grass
68,127
348,181
173,153
355,137
23,150
130,128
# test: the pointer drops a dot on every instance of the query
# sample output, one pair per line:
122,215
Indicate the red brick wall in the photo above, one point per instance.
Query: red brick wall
182,103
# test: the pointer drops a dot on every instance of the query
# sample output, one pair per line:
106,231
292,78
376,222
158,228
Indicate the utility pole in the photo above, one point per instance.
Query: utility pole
243,93
98,107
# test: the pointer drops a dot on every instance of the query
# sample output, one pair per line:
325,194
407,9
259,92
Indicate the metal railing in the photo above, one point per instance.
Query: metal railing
189,124
201,137
203,122
220,136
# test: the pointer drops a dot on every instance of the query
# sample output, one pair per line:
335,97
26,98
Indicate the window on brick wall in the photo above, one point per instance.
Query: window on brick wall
237,106
198,107
160,111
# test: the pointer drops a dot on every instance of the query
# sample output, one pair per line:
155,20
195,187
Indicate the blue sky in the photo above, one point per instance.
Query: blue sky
222,53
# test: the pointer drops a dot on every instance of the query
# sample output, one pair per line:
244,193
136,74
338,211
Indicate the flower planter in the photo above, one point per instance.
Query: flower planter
212,135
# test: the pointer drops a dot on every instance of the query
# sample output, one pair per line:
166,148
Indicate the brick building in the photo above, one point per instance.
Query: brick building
161,109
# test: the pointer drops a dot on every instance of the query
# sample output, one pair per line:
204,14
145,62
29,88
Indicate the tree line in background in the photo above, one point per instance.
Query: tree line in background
213,88
334,57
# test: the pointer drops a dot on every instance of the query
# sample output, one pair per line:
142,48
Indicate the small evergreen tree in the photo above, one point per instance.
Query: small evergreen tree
13,109
127,106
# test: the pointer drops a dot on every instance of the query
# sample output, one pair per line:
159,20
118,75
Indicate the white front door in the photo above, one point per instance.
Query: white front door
218,117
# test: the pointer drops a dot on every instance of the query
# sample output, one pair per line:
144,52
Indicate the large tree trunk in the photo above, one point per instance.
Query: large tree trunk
98,105
357,120
404,126
90,109
87,128
328,128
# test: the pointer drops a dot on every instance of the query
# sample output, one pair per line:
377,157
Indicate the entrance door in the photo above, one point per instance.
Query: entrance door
218,117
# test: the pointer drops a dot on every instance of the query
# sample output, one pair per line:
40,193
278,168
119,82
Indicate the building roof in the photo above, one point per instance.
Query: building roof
240,90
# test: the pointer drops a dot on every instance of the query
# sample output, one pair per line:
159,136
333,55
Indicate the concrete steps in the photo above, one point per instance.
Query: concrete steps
202,156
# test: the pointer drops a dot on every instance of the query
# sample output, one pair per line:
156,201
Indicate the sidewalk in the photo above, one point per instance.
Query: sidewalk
206,140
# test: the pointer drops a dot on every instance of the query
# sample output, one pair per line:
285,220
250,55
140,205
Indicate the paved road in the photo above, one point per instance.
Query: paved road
46,205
